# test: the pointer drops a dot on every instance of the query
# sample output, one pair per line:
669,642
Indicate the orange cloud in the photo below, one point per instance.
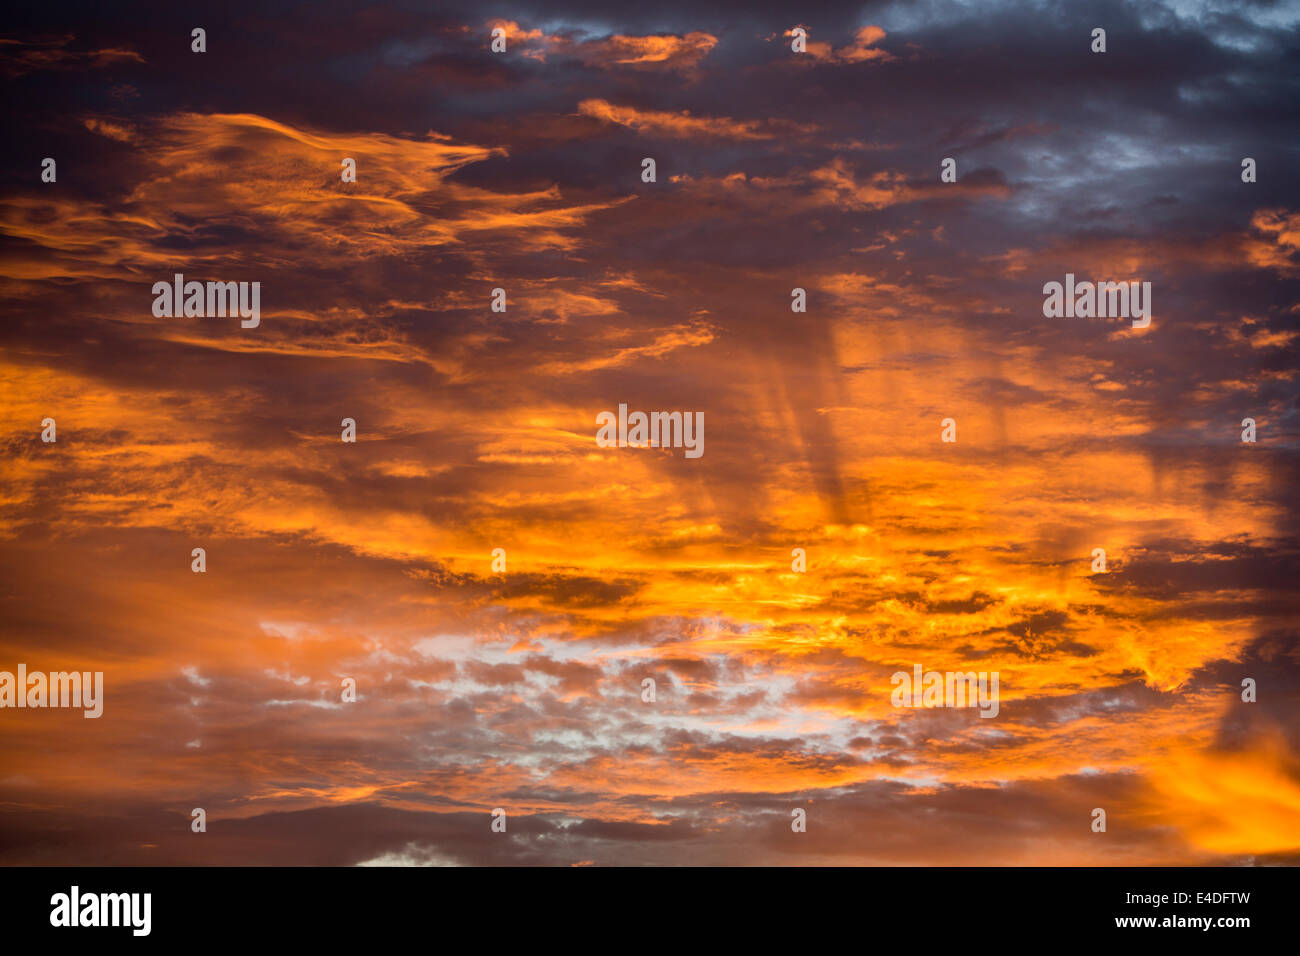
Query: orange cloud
476,432
288,178
1232,803
657,51
19,57
863,49
1279,251
682,124
662,51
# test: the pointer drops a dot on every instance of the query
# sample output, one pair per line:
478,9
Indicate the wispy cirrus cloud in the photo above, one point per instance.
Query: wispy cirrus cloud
686,126
19,57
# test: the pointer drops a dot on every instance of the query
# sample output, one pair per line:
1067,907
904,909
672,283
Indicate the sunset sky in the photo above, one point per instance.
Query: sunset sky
476,431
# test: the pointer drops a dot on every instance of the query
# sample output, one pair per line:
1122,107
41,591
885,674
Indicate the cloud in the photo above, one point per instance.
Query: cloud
663,51
685,126
1244,803
863,49
480,688
283,181
681,53
20,57
1281,249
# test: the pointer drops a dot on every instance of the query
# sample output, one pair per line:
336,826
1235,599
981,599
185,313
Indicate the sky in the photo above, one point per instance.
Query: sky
482,688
